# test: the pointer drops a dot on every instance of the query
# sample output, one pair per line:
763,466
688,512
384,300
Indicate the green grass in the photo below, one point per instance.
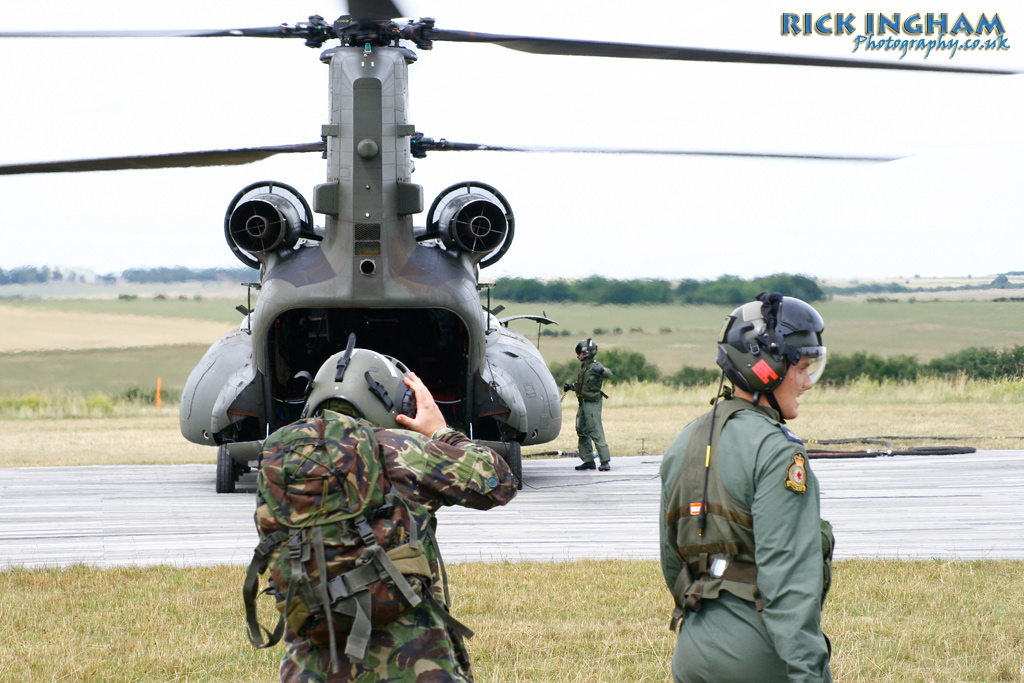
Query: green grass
563,622
110,371
675,335
925,329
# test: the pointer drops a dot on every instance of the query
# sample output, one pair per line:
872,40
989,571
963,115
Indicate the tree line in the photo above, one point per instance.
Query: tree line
183,274
1001,281
25,275
976,362
725,290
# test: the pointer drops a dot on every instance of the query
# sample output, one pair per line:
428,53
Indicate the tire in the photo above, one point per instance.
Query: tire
514,459
227,471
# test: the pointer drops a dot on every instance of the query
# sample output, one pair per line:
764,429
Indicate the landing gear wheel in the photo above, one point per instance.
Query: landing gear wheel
227,471
514,459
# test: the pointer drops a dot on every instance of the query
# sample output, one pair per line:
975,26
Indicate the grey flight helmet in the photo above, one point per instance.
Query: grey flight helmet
588,347
362,384
761,339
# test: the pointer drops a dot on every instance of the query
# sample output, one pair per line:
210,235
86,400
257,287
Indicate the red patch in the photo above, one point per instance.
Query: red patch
764,371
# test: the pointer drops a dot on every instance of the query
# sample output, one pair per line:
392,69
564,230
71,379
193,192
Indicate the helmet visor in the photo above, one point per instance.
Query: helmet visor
817,357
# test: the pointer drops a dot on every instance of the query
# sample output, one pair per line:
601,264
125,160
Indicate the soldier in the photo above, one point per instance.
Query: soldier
743,549
429,465
588,416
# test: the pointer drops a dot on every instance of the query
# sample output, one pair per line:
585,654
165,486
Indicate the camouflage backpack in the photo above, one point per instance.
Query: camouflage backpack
324,501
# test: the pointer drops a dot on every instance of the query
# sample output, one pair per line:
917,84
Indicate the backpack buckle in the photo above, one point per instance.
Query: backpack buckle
295,548
365,531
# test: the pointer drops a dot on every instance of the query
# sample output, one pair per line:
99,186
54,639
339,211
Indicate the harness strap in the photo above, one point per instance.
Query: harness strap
401,583
414,533
257,565
683,581
321,564
688,592
440,565
451,622
259,636
359,637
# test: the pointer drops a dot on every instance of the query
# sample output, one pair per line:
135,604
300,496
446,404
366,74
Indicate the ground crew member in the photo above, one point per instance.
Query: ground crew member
430,465
743,548
589,429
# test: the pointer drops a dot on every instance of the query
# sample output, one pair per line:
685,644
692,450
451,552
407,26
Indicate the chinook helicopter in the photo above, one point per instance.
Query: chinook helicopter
405,291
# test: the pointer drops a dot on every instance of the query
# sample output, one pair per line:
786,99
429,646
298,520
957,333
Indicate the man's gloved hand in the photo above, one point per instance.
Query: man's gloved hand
568,387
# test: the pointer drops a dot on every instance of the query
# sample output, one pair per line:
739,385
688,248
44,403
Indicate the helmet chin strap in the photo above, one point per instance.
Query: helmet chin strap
772,401
770,395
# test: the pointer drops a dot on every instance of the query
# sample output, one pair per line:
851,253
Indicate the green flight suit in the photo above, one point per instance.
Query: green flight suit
589,429
728,639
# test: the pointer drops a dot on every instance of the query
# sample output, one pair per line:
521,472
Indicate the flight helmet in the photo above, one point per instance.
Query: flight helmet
588,347
362,384
761,339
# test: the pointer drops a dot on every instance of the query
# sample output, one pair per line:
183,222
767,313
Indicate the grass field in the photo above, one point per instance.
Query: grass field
111,345
219,310
568,622
673,336
111,371
637,417
577,622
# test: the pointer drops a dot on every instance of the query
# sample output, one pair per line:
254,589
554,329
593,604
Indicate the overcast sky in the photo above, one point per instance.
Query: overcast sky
953,206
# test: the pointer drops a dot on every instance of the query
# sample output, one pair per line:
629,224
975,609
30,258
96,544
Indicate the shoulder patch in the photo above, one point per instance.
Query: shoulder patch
796,475
791,436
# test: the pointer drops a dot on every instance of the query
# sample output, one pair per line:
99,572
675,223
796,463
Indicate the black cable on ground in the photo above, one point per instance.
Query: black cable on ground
887,449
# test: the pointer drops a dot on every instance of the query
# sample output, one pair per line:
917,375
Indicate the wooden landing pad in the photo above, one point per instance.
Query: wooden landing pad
954,506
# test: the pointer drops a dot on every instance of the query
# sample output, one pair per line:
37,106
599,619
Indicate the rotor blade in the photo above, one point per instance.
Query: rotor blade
282,31
220,157
447,146
593,48
371,11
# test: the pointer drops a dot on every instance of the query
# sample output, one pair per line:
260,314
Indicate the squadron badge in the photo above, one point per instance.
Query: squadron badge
796,476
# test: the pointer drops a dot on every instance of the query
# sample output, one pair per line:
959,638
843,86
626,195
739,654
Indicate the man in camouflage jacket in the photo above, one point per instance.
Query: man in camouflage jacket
431,465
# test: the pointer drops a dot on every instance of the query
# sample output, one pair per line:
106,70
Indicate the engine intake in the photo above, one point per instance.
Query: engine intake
472,218
264,223
266,217
473,223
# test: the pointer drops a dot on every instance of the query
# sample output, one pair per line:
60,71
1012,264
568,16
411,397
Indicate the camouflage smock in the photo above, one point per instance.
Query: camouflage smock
417,647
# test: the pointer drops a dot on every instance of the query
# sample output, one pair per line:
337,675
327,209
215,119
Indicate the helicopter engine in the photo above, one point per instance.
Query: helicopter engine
474,219
266,217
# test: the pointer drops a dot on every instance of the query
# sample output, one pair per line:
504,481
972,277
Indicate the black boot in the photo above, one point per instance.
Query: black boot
605,466
587,466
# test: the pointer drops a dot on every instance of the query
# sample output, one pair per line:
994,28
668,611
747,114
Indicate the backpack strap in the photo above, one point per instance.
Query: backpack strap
442,610
321,563
257,566
349,593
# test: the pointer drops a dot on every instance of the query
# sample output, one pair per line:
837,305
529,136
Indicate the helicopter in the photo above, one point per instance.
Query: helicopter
408,292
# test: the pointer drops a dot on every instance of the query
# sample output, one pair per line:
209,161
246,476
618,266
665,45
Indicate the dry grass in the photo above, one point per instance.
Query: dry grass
39,329
155,624
637,417
568,622
649,416
142,439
